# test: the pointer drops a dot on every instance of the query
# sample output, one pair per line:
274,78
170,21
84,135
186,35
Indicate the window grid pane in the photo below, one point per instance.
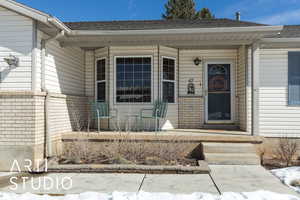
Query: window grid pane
101,85
169,92
294,78
169,80
101,70
133,80
101,91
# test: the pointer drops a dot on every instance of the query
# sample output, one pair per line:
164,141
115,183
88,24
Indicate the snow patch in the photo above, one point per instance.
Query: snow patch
259,195
288,175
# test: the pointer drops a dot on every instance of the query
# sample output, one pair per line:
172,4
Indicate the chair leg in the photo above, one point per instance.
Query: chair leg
118,123
88,125
98,125
155,125
142,128
127,125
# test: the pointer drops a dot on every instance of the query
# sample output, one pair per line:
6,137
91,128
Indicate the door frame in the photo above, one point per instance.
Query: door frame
232,87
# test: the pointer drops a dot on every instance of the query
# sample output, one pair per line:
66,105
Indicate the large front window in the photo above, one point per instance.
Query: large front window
133,79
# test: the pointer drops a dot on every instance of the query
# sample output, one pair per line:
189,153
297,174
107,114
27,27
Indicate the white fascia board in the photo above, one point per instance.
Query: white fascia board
56,22
180,31
280,40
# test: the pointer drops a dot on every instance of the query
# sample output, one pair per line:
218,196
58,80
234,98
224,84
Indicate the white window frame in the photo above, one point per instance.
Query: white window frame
115,81
162,80
102,81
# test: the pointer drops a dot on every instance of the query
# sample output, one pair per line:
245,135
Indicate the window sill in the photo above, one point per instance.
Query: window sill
293,105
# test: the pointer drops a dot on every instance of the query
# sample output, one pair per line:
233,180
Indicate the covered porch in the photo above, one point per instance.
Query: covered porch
208,76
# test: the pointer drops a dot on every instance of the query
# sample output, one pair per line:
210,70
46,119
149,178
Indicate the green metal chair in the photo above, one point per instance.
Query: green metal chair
159,111
101,110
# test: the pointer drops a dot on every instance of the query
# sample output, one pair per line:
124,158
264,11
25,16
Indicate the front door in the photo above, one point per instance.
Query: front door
219,92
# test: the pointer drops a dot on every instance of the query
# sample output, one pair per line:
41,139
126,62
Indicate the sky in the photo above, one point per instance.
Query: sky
273,12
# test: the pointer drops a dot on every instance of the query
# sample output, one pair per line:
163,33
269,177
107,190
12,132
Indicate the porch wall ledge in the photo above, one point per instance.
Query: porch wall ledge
190,96
21,93
40,94
65,96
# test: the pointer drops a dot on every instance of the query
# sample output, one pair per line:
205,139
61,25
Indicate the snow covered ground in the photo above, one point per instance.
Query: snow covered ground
259,195
288,175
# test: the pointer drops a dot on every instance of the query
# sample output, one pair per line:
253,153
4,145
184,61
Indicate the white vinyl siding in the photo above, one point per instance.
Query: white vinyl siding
16,36
65,69
90,73
241,88
276,117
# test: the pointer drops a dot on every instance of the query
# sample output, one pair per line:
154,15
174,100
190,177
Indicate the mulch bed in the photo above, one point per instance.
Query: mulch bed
147,161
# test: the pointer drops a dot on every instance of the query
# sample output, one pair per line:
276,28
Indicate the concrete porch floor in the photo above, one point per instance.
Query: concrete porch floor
193,135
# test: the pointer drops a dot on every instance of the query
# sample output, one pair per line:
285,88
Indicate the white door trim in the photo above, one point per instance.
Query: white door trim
232,86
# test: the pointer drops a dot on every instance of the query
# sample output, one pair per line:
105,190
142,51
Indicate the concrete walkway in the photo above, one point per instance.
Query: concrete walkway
222,179
230,178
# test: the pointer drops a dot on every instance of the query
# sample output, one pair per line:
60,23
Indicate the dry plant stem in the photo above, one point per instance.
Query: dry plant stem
286,150
127,150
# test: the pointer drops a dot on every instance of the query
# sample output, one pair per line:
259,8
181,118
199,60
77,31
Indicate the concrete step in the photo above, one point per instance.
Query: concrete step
232,159
211,147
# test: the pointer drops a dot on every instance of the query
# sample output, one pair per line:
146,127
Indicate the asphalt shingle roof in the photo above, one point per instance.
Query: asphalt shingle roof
157,24
289,31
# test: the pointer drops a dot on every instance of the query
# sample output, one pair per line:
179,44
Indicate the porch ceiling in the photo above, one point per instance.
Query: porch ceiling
89,39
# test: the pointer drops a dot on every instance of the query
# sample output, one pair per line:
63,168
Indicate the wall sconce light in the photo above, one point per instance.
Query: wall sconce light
197,61
12,61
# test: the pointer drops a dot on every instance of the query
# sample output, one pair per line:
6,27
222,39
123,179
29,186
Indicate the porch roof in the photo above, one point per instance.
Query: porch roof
175,37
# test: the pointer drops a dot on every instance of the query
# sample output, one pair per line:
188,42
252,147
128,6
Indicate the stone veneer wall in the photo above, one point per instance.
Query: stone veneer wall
22,124
190,112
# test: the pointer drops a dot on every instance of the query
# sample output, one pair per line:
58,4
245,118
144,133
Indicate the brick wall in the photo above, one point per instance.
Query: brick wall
190,112
22,123
20,117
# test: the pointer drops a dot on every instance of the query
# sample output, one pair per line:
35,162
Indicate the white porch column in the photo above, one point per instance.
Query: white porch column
255,87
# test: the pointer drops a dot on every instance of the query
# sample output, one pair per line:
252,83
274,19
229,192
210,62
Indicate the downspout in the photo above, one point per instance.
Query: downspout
48,147
34,57
159,74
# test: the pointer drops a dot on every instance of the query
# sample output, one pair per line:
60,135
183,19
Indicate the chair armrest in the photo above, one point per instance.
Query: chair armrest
145,109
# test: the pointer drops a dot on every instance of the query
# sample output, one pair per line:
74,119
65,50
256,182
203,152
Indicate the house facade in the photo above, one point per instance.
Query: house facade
212,73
